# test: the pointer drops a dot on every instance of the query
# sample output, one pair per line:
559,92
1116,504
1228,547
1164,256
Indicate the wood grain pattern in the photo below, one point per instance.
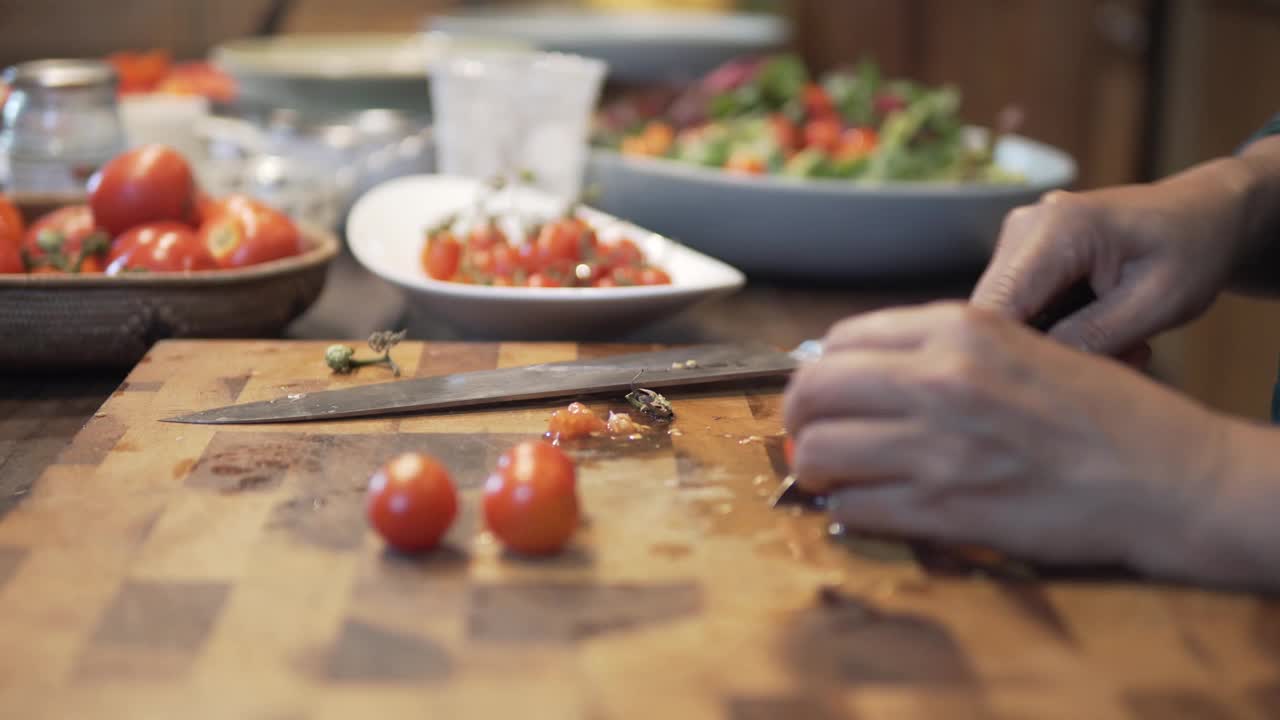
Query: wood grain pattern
162,571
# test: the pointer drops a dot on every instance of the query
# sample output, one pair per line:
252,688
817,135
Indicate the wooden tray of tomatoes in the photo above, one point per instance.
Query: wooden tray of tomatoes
143,255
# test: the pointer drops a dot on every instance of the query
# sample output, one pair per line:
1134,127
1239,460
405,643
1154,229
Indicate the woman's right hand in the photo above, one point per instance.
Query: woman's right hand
1156,256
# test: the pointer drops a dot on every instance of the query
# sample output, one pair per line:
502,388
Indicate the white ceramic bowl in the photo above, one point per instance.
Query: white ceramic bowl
826,229
385,231
639,46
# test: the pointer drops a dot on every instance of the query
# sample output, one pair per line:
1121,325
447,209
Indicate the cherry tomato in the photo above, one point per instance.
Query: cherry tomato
411,502
146,184
486,237
606,282
623,252
139,72
625,276
817,102
823,134
11,229
856,142
545,280
558,241
64,237
654,276
161,247
574,422
441,256
506,260
785,133
531,499
243,231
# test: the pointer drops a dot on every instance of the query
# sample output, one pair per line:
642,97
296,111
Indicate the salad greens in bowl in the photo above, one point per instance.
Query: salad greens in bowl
842,176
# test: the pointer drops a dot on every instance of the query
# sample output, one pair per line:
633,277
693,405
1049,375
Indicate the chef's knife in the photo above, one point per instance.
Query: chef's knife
1067,303
663,369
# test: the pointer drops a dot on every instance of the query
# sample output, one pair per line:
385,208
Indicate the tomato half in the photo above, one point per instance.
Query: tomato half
146,184
531,499
411,502
654,276
441,256
66,240
574,422
243,231
160,247
486,237
10,238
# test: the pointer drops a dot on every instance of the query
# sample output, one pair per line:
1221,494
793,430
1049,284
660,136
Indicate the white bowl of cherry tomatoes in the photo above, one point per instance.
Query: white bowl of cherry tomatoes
516,263
145,255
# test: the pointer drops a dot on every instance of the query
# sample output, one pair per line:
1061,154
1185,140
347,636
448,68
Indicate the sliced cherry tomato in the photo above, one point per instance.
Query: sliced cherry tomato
817,102
823,134
506,260
66,240
623,252
243,231
531,499
486,237
606,282
411,502
574,422
625,276
545,280
159,247
654,276
558,241
146,184
856,142
785,133
441,256
11,231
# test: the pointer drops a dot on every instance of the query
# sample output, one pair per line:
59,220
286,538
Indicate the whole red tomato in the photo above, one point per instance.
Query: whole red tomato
564,240
66,240
531,499
146,184
160,247
242,231
10,238
441,256
411,502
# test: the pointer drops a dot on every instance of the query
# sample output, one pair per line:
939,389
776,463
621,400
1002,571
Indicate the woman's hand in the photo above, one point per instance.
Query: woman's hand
953,423
1156,255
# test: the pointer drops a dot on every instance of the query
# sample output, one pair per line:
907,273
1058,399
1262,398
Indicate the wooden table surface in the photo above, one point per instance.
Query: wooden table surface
161,570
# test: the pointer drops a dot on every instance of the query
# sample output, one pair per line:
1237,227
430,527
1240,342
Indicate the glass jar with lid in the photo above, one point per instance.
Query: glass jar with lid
60,124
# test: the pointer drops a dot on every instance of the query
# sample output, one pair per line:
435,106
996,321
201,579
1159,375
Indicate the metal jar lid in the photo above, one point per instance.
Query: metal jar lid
61,74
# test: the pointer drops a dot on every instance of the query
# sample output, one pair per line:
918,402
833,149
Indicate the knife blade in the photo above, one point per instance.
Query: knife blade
662,369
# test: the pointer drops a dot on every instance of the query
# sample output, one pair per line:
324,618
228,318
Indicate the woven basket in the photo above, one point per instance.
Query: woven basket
60,322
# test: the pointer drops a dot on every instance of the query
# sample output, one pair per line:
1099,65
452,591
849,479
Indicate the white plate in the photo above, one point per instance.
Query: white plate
826,229
326,72
637,45
385,231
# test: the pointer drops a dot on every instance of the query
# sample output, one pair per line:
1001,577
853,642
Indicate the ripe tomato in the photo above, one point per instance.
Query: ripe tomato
625,276
243,231
10,238
146,184
65,237
623,252
545,280
411,502
856,142
139,72
654,276
486,237
823,134
531,499
574,422
441,256
817,102
506,260
160,246
745,163
558,241
203,207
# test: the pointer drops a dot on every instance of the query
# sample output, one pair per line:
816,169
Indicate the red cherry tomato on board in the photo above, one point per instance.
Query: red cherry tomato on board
159,247
411,502
243,231
531,499
142,185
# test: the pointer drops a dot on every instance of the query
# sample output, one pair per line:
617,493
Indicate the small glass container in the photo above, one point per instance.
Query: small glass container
60,124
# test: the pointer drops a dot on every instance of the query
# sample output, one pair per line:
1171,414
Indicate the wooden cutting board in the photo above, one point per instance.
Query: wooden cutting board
166,571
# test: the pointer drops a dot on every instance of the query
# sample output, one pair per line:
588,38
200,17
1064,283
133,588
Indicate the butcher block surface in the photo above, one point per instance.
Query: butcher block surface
162,570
